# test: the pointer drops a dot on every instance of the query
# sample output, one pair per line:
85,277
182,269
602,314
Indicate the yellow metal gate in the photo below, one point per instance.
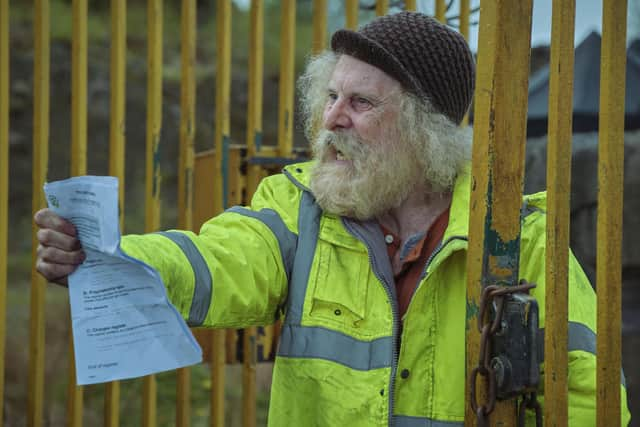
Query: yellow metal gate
228,174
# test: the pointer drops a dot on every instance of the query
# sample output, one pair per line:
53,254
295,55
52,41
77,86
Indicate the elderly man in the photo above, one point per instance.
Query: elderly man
362,250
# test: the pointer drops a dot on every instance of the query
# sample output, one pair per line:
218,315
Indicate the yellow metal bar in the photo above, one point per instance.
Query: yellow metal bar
4,183
185,174
441,11
254,113
40,160
497,169
558,190
152,168
78,165
217,362
465,12
154,114
79,89
249,364
111,413
287,62
319,26
187,115
410,5
117,98
185,170
609,229
351,14
223,90
382,7
74,392
112,404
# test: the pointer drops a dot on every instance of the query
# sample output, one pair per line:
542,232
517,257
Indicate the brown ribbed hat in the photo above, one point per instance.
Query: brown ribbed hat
428,58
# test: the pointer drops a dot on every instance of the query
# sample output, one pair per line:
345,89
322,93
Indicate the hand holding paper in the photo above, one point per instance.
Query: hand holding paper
123,324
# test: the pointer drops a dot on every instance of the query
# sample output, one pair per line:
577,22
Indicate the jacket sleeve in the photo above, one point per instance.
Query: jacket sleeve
234,272
581,328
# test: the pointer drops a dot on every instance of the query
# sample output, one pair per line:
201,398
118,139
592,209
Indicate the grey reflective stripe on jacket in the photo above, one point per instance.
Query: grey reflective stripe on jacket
321,343
287,240
202,284
580,338
308,229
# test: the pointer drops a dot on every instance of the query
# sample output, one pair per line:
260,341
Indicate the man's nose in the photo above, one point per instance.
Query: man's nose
336,115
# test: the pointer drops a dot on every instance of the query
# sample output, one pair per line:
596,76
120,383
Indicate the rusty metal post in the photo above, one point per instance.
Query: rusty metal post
497,170
558,190
609,229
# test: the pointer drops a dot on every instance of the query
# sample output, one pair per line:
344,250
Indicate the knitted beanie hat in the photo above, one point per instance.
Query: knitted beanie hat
428,58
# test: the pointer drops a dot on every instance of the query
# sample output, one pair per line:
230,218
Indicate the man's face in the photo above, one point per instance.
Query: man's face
363,167
360,99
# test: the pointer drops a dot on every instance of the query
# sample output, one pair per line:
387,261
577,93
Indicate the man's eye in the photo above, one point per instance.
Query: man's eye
332,96
362,103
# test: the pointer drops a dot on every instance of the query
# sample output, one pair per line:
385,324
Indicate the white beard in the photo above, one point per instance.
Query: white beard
376,176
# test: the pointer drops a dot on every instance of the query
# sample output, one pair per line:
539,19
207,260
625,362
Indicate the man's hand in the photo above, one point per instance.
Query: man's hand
59,250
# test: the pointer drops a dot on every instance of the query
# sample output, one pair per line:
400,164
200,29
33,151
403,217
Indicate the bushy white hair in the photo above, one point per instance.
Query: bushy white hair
441,146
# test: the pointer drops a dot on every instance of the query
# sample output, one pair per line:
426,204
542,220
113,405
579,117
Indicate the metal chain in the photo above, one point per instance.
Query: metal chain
530,402
492,295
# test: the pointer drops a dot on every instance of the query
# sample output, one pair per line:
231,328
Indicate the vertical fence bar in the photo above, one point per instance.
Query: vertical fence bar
351,8
465,15
254,113
465,12
382,7
117,123
410,5
78,166
609,229
319,26
222,124
79,89
188,25
152,168
497,169
558,190
41,104
441,11
4,184
287,70
254,174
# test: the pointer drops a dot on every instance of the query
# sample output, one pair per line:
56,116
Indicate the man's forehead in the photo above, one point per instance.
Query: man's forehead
359,75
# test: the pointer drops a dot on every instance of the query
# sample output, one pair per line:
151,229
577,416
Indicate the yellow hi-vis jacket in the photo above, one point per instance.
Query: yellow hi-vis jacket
338,361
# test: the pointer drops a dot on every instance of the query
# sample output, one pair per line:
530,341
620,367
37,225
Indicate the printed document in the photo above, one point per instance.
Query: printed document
123,323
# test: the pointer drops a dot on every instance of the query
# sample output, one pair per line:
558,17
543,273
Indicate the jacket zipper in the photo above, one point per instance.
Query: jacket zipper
396,317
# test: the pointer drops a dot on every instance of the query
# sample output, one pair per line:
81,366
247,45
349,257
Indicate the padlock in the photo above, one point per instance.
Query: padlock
514,355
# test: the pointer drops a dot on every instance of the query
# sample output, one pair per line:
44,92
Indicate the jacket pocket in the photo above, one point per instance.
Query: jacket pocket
339,291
